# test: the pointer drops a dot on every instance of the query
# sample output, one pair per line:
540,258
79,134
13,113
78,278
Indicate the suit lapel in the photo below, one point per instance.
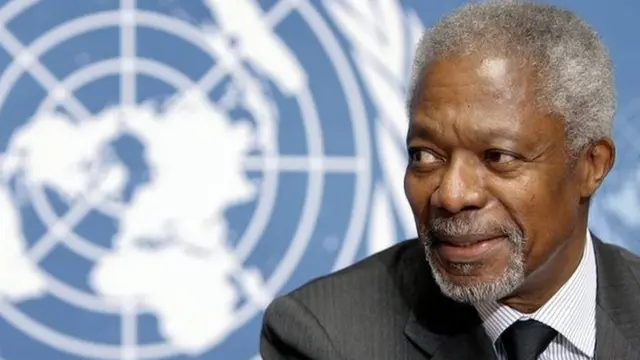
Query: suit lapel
469,344
437,325
611,343
617,316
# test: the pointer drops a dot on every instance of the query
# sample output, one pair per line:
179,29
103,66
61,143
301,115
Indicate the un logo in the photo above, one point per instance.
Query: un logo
164,174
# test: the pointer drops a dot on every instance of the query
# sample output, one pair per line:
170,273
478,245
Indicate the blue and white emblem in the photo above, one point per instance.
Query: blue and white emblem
164,173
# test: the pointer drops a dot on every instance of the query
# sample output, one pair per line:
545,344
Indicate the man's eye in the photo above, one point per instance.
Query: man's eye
423,157
499,157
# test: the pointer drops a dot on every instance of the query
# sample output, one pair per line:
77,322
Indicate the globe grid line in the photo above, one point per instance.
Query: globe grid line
128,85
129,331
14,8
128,98
57,229
296,163
40,73
280,11
316,166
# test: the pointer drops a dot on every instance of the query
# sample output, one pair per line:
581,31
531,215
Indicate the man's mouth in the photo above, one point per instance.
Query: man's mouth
466,249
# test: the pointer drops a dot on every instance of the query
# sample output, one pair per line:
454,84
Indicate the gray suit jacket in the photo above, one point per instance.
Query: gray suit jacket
388,307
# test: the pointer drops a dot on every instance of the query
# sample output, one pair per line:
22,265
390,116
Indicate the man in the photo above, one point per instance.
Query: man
510,116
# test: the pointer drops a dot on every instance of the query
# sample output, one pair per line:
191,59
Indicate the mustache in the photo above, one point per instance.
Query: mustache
464,225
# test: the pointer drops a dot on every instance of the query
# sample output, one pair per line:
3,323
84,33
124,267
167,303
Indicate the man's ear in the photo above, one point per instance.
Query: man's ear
596,162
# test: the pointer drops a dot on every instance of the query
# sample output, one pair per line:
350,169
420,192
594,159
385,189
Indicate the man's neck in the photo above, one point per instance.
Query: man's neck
550,276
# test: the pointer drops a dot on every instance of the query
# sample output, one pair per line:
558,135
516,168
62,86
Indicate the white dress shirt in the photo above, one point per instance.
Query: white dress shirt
571,312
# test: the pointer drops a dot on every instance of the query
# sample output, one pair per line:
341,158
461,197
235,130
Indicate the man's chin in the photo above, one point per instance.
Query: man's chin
472,284
463,272
464,276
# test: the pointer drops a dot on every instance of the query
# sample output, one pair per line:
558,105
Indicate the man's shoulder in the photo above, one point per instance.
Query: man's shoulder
612,255
351,313
629,256
375,273
376,285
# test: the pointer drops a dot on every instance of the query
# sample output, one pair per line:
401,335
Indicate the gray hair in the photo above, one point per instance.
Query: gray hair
575,76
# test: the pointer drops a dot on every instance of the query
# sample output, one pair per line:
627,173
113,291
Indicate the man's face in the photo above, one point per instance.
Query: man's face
488,178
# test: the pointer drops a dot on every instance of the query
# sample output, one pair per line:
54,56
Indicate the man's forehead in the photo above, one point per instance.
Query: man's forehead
501,125
493,69
476,77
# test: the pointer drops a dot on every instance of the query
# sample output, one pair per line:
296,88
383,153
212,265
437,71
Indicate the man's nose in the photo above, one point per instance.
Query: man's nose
460,188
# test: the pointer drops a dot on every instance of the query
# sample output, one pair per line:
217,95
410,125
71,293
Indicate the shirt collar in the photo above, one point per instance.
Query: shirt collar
571,311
